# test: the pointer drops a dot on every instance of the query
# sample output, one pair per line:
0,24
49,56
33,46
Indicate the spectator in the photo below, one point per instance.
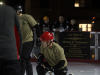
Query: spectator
46,25
62,24
73,26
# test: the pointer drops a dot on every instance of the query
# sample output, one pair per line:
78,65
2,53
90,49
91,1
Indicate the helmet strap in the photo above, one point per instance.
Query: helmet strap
49,44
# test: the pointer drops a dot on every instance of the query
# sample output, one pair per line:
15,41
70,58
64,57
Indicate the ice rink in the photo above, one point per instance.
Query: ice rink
77,68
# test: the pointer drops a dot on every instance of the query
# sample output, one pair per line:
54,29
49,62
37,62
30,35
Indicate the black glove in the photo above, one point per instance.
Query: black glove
49,69
38,42
59,65
55,69
46,69
40,59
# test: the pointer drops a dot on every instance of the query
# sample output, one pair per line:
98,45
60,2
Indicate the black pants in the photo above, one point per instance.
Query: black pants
10,67
41,71
25,58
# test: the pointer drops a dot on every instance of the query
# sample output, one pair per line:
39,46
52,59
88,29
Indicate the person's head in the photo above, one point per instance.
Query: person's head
46,19
46,39
61,18
73,21
18,9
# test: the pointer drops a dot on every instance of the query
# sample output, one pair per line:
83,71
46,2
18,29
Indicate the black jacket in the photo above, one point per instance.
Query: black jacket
8,18
43,25
75,27
57,24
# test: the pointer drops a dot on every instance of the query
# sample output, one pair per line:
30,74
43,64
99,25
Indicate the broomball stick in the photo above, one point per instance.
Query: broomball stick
42,64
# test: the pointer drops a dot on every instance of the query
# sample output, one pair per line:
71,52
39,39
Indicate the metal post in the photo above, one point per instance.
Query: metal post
96,46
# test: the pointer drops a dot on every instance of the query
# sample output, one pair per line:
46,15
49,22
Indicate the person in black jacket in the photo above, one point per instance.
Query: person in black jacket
9,63
73,26
45,25
62,24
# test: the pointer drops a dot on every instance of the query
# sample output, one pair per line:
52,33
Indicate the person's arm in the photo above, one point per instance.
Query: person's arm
38,30
51,27
34,24
59,65
60,58
40,57
31,20
76,27
55,25
17,24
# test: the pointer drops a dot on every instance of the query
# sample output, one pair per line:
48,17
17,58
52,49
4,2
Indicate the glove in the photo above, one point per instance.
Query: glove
40,59
55,69
38,42
49,69
46,69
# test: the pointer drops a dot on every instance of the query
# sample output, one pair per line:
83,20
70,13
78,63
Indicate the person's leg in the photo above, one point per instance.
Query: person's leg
61,72
11,67
23,65
40,70
25,56
29,70
0,67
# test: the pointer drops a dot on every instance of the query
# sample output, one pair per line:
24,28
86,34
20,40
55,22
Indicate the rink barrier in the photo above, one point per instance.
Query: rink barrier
74,60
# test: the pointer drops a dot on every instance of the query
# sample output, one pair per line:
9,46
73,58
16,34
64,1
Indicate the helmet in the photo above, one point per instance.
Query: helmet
45,18
47,36
18,8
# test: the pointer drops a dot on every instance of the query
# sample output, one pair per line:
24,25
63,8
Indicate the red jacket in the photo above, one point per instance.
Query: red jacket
17,40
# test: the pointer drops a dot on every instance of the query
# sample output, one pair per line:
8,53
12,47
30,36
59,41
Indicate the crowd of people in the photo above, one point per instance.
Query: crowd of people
61,25
16,43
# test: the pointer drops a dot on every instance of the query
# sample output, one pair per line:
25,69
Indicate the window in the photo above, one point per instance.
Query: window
85,27
79,3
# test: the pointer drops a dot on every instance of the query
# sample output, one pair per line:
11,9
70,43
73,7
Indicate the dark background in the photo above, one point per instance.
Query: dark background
53,8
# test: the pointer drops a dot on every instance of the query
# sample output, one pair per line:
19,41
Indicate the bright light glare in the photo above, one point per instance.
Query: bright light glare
84,27
1,2
76,4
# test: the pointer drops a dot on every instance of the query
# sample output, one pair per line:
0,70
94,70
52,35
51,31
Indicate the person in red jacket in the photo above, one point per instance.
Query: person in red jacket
17,40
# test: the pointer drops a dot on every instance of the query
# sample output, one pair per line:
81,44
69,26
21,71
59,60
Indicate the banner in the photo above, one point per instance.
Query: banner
75,44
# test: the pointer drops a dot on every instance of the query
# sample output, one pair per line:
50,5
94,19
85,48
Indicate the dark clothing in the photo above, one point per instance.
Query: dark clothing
8,18
25,58
38,30
41,70
27,23
46,27
75,27
10,67
65,25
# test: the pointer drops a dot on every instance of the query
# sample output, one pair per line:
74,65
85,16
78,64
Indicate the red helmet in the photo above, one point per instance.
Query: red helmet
46,36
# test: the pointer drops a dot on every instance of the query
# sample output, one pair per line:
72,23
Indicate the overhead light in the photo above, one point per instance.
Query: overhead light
93,18
1,3
92,21
76,5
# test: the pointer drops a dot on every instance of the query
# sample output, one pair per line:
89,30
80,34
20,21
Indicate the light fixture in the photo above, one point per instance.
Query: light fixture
1,3
93,18
76,5
93,56
92,21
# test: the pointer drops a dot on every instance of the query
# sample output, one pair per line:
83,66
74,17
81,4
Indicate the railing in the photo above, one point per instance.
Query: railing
95,45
